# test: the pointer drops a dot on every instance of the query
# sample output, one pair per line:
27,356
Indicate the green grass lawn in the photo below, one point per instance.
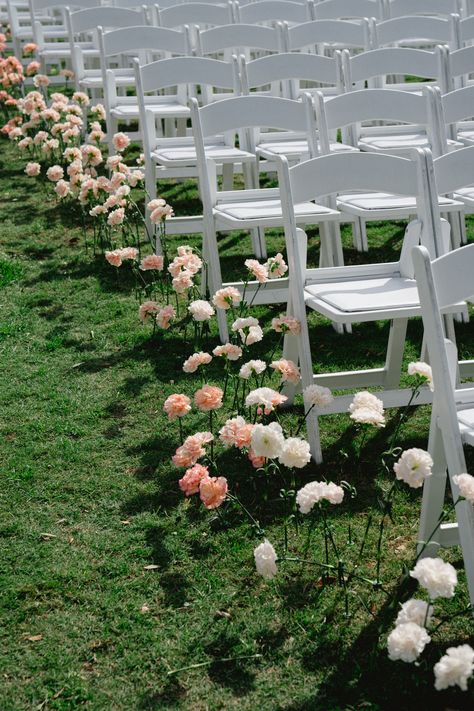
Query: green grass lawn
89,499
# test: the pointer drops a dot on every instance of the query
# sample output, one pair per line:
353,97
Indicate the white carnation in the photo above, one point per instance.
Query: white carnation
251,367
201,310
415,611
364,399
465,483
454,668
265,560
295,453
317,491
423,370
267,440
413,467
406,642
436,576
368,416
266,397
334,493
317,396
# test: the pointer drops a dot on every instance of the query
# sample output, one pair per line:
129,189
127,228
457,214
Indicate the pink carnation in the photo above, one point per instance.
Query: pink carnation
164,316
192,478
284,324
227,298
276,266
62,188
257,462
229,350
114,258
116,217
121,141
208,398
152,261
236,433
192,363
192,449
32,169
213,491
259,271
147,309
289,371
177,405
55,173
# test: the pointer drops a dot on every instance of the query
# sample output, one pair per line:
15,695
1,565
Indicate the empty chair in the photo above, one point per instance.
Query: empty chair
238,39
445,282
415,30
465,31
348,9
270,11
399,8
459,69
86,21
195,13
360,293
326,33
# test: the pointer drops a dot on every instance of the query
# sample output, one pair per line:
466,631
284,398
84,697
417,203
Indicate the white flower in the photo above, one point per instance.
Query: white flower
265,560
436,576
295,453
267,440
423,370
466,486
413,467
252,367
317,491
267,397
365,399
454,668
201,310
368,416
414,611
406,642
317,396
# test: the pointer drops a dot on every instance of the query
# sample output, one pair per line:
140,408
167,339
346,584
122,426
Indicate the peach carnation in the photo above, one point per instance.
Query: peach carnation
288,369
213,491
55,173
32,169
227,298
229,350
152,261
192,363
192,478
164,316
177,405
147,309
121,141
208,398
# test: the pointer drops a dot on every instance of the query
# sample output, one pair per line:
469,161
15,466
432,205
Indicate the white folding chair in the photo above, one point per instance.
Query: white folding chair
271,11
348,9
175,157
459,69
85,22
319,35
400,8
442,284
202,14
237,39
362,293
142,42
415,31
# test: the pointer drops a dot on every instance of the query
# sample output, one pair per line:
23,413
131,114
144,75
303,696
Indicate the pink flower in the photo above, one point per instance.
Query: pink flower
116,217
81,98
276,266
208,398
152,261
177,405
236,433
164,316
259,271
147,309
29,48
41,79
62,188
227,298
129,252
161,212
192,363
229,350
114,258
192,478
121,141
284,324
182,282
213,491
192,449
55,173
32,68
32,169
289,370
257,462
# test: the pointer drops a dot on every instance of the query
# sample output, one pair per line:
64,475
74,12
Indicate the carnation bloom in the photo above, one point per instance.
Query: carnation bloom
208,398
55,173
195,360
201,310
41,80
423,370
266,397
259,271
465,482
257,462
114,258
366,400
276,266
436,576
121,141
229,350
265,560
367,409
454,668
182,281
288,369
152,261
161,213
252,367
406,642
62,188
81,98
413,467
267,440
227,298
317,396
116,217
164,316
236,433
295,453
32,169
213,491
192,449
148,308
317,491
177,405
415,611
286,324
192,478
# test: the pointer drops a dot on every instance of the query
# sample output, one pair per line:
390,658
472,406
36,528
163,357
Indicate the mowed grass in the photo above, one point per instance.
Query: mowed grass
89,499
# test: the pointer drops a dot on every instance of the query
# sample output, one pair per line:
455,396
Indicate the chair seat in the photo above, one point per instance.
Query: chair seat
466,425
399,142
381,293
96,82
297,147
268,212
385,201
186,155
171,110
466,136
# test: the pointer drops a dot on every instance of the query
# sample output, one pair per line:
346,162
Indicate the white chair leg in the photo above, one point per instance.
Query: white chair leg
434,490
395,349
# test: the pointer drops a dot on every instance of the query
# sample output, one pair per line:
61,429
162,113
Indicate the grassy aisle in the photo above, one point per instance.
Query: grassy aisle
88,500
